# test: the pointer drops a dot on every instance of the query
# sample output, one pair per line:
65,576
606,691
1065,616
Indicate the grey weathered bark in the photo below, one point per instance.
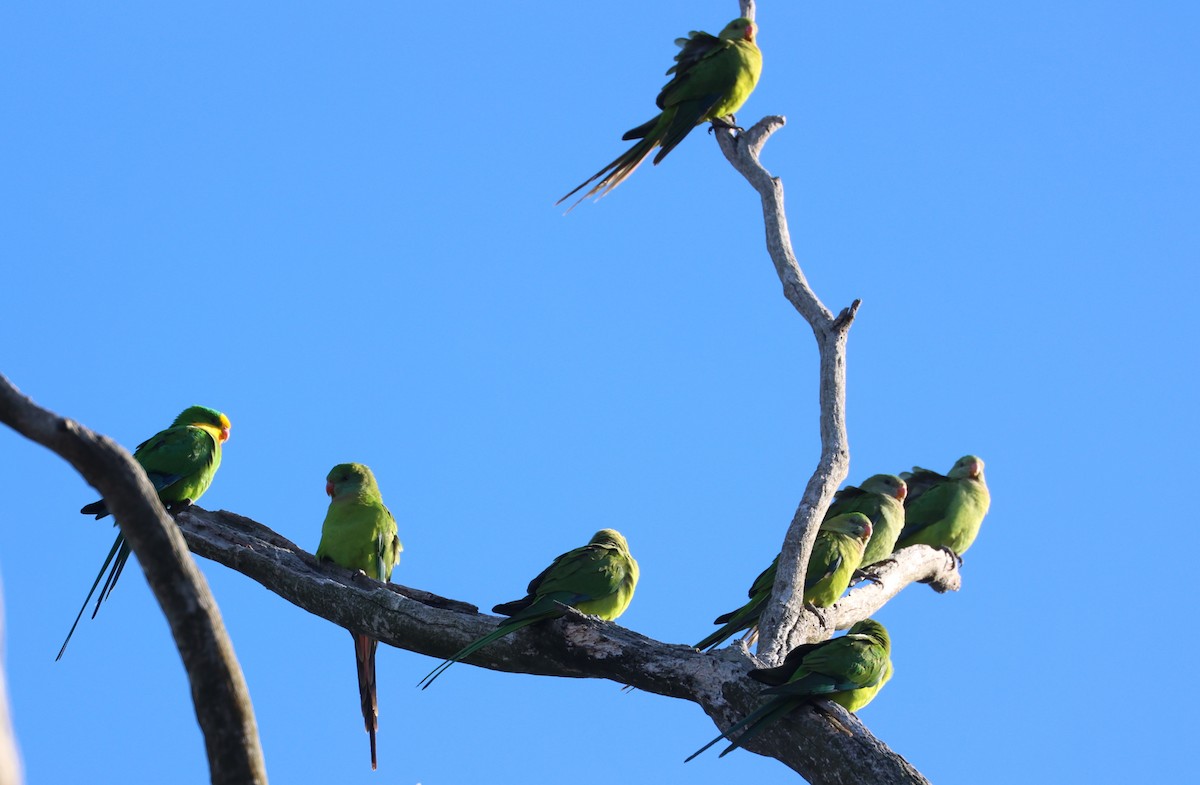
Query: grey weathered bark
412,619
219,692
785,622
577,646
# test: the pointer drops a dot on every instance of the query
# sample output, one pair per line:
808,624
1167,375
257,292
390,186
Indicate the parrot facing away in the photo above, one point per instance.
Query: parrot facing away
849,670
180,463
597,579
836,554
359,533
945,511
713,77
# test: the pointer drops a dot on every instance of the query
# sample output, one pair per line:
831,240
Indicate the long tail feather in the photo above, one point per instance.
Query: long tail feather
743,618
505,627
760,713
776,710
364,656
118,545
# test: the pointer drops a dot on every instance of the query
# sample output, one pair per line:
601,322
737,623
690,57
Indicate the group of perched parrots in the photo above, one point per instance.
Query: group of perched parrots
862,527
711,79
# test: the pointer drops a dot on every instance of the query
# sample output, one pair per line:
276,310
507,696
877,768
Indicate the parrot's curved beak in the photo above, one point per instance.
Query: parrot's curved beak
750,31
329,489
902,492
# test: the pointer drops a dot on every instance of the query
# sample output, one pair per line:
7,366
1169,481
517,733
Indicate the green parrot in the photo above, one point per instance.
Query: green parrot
880,498
713,77
598,579
945,511
359,533
180,463
849,670
835,556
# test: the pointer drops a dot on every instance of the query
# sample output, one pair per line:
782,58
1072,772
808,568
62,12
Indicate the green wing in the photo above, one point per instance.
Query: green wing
180,463
598,578
713,77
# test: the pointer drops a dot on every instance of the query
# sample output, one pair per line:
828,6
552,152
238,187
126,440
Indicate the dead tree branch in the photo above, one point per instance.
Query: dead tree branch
219,691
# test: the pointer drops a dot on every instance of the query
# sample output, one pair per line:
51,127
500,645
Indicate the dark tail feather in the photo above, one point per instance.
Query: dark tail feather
744,618
505,627
117,546
364,656
117,568
99,509
641,131
759,713
615,173
762,719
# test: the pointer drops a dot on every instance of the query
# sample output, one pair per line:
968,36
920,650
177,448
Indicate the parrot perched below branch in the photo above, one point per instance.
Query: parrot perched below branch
359,533
836,554
945,511
849,670
597,579
713,77
180,463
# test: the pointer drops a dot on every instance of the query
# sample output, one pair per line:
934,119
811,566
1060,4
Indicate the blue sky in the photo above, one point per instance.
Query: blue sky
337,225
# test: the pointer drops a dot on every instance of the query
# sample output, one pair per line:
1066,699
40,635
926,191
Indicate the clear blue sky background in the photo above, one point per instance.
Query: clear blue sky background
336,223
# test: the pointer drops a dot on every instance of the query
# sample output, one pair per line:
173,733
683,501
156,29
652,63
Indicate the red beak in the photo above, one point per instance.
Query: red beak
750,32
329,489
902,492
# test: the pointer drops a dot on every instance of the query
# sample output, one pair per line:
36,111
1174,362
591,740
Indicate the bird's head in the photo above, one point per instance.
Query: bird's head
967,466
739,29
203,416
348,477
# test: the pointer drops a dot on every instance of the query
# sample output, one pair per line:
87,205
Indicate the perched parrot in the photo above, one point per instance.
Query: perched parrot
359,533
945,511
180,463
598,579
835,556
849,670
713,77
880,498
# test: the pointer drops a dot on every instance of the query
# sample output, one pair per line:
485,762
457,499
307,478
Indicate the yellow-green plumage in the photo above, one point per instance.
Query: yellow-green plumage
713,77
359,533
836,554
180,463
598,579
945,511
849,670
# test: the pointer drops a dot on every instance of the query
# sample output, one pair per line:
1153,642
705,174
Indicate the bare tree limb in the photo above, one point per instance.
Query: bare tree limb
576,646
219,692
784,623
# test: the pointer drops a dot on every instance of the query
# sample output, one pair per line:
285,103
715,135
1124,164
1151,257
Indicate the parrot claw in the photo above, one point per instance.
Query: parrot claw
957,559
178,506
729,124
863,575
834,721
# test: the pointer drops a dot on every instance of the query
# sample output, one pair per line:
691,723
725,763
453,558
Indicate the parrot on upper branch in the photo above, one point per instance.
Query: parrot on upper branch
713,77
945,511
836,554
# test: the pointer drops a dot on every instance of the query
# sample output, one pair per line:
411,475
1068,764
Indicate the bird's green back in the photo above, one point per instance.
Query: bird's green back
946,510
878,498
